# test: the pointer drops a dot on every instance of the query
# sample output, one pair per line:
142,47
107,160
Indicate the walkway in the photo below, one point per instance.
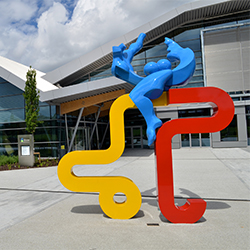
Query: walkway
38,213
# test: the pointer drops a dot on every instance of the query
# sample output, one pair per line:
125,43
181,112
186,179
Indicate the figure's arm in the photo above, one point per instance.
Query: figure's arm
134,48
121,66
185,70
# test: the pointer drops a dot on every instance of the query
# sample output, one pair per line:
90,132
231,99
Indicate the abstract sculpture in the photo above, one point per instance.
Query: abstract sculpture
223,112
155,86
159,77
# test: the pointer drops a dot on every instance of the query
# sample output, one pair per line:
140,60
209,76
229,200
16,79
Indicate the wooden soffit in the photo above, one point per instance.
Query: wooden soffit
94,109
71,106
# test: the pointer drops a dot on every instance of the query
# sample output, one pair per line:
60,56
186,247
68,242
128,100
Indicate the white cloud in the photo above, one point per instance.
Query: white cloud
47,35
16,11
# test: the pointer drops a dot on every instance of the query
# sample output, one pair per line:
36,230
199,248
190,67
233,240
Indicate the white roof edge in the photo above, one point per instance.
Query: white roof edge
183,8
86,59
79,89
15,73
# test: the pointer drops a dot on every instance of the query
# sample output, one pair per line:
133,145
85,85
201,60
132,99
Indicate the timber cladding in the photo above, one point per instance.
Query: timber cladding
71,106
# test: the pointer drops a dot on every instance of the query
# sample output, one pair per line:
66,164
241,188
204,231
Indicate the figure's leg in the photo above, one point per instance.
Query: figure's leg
146,108
151,87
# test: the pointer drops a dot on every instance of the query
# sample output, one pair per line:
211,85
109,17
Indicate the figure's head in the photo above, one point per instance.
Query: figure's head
150,68
164,64
153,67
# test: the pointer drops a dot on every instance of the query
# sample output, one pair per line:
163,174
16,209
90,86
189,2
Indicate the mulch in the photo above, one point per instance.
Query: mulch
44,163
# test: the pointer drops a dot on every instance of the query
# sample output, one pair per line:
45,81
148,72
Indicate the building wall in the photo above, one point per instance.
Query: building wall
226,65
227,53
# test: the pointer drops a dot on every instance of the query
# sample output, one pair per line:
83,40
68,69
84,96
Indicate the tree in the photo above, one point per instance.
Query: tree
31,96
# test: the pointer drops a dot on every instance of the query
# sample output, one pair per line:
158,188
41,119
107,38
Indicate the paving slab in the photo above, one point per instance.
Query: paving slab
37,212
78,223
21,177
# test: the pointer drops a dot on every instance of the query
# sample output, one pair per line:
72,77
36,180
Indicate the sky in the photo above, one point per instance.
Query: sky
47,33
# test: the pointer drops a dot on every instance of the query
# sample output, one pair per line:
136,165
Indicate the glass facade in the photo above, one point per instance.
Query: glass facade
155,53
195,140
12,123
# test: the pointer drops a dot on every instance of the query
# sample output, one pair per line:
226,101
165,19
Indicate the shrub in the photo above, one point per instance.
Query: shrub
8,160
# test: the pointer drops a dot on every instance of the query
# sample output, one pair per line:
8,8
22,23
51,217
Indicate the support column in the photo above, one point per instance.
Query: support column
67,131
75,130
105,132
97,116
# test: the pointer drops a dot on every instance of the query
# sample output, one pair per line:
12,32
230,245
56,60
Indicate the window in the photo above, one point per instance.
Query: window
248,123
9,102
13,115
194,113
230,133
7,88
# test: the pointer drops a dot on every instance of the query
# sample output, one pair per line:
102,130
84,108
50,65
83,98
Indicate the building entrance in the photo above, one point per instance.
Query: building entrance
82,138
195,140
133,137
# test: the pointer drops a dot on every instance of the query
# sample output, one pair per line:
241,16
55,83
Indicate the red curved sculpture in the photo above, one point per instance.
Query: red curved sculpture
223,114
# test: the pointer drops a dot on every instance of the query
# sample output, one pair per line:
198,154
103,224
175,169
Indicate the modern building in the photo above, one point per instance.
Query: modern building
76,97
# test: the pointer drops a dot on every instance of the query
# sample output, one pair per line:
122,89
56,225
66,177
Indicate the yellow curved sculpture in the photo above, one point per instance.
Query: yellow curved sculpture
106,186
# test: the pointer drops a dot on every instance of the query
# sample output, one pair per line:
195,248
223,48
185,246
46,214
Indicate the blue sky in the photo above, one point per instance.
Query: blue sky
47,34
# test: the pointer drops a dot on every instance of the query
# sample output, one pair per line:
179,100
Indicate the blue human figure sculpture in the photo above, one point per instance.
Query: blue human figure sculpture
159,77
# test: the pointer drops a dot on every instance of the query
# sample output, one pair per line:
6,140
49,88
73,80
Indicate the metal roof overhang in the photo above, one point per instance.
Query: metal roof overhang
84,90
188,13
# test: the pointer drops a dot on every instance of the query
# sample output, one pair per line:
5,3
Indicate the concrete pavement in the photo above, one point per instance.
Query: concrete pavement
37,212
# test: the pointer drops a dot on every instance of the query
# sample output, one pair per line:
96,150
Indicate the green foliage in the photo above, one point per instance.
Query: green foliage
11,162
47,162
31,96
8,160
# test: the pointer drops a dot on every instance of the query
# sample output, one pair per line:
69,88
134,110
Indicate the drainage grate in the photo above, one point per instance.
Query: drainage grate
153,224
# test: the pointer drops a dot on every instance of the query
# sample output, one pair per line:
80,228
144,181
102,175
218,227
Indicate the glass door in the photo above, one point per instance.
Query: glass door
195,140
137,141
133,137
